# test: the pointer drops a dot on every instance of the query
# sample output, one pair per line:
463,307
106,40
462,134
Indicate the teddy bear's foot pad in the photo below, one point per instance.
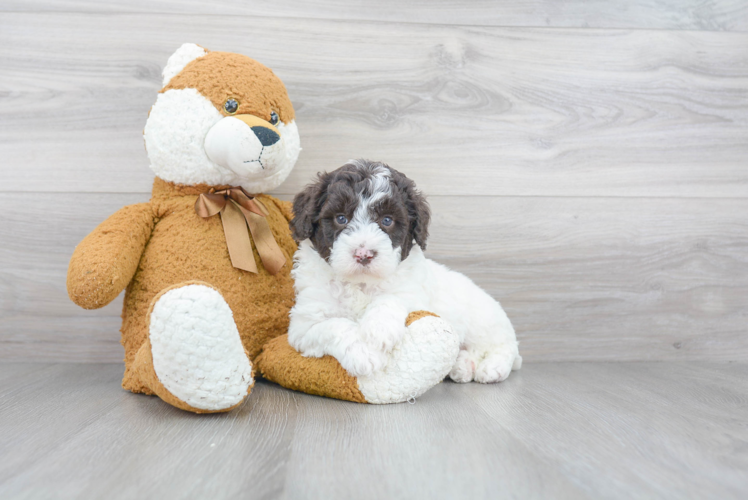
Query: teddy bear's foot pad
196,349
421,360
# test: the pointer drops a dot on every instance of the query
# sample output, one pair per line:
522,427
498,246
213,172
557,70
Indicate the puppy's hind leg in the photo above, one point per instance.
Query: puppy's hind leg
463,370
490,345
486,365
497,363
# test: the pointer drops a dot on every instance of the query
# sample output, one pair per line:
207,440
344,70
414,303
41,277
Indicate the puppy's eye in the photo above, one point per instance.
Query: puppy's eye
230,106
274,118
387,221
341,219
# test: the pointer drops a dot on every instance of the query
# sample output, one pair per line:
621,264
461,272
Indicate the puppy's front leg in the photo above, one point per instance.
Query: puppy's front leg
338,337
383,323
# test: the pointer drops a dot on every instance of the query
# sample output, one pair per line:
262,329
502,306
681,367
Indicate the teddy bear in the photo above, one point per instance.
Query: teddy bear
205,264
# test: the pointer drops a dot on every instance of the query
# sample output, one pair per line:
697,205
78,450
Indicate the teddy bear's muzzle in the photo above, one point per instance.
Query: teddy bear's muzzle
265,132
240,143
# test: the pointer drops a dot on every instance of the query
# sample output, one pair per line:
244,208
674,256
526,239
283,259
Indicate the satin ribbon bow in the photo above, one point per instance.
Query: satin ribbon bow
238,210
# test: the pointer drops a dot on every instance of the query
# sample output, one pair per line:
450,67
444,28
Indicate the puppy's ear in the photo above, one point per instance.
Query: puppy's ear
306,207
419,214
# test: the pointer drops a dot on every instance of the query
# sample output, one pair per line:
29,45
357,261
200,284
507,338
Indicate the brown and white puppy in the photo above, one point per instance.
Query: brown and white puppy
360,270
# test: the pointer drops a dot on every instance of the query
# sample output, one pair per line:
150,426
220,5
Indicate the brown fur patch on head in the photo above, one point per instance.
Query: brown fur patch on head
419,214
222,75
306,208
340,192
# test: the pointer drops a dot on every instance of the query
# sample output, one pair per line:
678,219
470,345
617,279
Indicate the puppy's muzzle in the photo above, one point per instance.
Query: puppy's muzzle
363,256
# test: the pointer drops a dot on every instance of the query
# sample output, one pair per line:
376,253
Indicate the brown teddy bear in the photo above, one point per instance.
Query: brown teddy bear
206,263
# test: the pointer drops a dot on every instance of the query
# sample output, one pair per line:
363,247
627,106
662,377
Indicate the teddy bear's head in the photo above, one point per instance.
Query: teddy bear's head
221,119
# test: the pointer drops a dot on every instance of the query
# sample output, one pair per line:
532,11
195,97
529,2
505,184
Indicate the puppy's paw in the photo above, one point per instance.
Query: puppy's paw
384,332
383,336
497,365
463,370
361,360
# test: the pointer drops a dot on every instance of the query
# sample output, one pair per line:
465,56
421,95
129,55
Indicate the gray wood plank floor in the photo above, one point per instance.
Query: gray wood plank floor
553,430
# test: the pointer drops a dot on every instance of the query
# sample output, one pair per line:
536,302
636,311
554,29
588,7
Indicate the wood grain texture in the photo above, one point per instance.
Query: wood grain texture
722,15
37,319
463,110
593,180
560,430
581,278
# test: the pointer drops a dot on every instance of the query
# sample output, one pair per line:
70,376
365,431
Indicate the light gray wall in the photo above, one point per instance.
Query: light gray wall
587,162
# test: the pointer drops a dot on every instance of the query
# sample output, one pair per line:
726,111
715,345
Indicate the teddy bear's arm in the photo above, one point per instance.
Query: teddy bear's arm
105,261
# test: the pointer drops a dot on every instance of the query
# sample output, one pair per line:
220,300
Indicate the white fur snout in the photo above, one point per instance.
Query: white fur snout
231,143
249,151
369,240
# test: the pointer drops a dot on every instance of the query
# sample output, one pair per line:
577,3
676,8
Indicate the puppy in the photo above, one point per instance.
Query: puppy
360,270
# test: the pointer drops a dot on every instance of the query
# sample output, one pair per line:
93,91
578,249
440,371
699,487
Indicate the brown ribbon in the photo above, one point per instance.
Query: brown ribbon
238,210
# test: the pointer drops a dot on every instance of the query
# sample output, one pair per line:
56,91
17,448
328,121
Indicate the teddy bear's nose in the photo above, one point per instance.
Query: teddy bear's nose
266,136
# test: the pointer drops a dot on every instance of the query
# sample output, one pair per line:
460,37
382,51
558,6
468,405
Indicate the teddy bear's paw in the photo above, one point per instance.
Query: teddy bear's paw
421,360
197,352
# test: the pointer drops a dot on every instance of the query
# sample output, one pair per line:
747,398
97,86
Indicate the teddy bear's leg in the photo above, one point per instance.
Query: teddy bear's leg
420,361
193,357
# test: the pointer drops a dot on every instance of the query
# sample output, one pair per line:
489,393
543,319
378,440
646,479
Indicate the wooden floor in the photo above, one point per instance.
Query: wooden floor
553,430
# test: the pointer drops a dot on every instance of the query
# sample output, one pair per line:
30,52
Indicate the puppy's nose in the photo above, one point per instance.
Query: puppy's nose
266,136
364,256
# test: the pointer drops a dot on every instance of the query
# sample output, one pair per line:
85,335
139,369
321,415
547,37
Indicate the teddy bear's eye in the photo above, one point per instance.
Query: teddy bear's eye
273,118
230,106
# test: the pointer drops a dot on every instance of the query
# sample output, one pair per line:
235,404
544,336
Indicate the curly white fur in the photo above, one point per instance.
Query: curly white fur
359,323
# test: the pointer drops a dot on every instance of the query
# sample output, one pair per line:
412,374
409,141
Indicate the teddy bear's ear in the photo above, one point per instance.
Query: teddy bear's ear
181,58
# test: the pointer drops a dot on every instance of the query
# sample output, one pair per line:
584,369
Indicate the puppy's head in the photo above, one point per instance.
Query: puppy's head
362,218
